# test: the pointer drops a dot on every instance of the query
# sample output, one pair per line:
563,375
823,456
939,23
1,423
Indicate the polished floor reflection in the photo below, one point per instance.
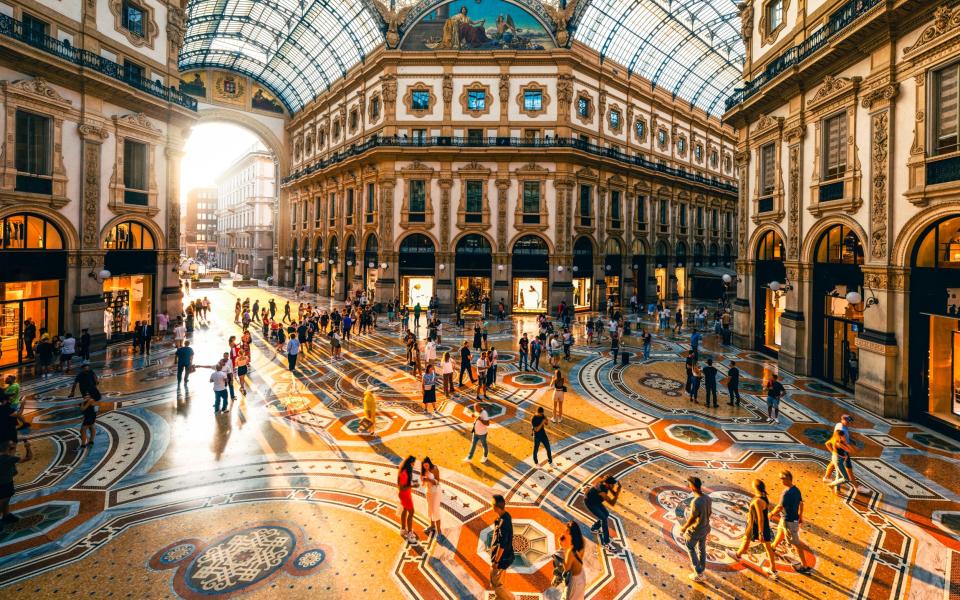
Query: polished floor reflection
281,496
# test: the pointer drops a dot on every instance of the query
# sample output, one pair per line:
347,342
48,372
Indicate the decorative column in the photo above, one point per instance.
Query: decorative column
877,344
445,291
171,298
388,282
504,94
501,258
446,128
561,261
794,328
743,324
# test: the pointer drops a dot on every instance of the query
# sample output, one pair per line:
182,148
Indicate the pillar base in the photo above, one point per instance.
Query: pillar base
793,338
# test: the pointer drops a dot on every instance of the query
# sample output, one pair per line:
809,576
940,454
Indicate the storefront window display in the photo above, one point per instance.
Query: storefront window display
416,290
582,288
613,289
36,302
472,290
530,294
129,299
776,303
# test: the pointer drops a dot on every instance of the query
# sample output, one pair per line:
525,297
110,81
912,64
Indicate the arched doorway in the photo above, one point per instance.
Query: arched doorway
714,257
304,257
582,274
371,260
662,260
317,264
333,263
768,304
638,262
350,268
837,258
680,271
33,269
473,270
417,260
934,349
530,262
613,271
131,259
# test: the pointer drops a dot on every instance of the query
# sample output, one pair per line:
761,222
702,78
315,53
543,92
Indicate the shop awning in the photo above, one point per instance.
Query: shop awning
713,272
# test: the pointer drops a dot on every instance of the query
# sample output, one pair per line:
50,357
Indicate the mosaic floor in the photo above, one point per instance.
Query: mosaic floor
281,496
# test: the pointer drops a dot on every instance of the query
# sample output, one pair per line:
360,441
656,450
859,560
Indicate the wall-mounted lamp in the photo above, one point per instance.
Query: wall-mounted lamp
776,286
331,261
499,267
854,299
575,268
559,268
349,263
726,278
370,265
442,266
383,265
607,267
635,267
99,276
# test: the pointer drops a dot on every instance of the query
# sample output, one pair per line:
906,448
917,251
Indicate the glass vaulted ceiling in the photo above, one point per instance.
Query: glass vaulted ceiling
296,48
691,48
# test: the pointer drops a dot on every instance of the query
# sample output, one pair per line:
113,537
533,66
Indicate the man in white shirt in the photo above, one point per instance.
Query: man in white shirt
163,321
480,424
492,357
179,334
430,353
67,350
219,380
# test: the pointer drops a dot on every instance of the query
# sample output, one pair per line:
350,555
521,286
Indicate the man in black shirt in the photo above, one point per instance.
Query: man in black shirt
710,381
607,491
775,393
690,362
29,334
501,551
733,384
87,380
184,360
84,345
465,362
539,424
146,335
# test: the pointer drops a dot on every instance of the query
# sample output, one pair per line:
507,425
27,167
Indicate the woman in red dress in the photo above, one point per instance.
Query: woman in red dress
405,485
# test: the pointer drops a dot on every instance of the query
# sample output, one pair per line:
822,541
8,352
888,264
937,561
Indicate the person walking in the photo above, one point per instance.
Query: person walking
606,491
446,372
480,423
839,451
572,543
67,350
219,380
84,347
430,476
710,382
87,381
492,360
647,341
8,470
536,348
428,385
696,376
242,366
733,384
775,393
523,352
501,550
29,334
88,427
697,528
843,426
539,425
790,511
183,358
559,386
482,367
678,319
293,350
11,395
758,528
367,424
465,363
404,491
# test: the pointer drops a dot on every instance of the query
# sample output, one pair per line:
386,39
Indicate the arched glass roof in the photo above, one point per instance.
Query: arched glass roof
692,48
296,48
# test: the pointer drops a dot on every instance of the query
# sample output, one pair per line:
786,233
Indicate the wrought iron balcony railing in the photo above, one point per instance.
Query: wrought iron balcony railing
507,142
838,21
13,28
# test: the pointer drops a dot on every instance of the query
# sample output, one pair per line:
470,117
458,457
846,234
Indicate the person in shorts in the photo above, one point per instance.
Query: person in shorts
775,393
88,428
790,510
67,350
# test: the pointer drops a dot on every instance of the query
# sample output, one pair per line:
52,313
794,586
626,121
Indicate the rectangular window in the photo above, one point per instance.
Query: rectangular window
305,209
476,99
641,212
585,212
34,152
663,213
35,29
700,217
774,15
474,208
768,156
583,107
133,72
946,110
714,221
420,136
728,223
418,201
375,108
835,146
317,208
615,213
683,216
135,172
348,212
371,202
475,136
420,100
531,202
332,209
532,100
132,18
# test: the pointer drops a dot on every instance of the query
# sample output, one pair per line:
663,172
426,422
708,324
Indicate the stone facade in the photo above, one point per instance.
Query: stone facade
246,199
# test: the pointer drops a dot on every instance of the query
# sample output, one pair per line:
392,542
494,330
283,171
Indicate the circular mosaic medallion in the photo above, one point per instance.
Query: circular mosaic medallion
176,554
691,434
240,560
533,545
934,442
310,559
382,423
365,354
530,379
670,387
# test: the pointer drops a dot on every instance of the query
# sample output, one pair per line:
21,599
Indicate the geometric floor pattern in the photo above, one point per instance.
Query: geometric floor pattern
280,497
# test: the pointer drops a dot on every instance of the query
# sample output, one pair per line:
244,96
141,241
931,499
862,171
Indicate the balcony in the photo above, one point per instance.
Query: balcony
11,28
442,142
839,21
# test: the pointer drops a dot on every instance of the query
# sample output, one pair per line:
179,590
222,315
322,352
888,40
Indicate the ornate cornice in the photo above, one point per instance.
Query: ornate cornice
833,87
946,23
35,87
884,93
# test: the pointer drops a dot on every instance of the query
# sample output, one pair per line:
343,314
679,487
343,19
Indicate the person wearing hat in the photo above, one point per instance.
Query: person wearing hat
697,528
843,426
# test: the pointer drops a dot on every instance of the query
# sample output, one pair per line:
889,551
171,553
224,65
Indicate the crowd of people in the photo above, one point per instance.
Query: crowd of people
303,328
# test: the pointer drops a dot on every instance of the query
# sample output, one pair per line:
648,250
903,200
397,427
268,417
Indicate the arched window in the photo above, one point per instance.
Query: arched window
769,247
612,247
26,231
473,244
350,255
318,249
939,248
839,245
681,250
698,253
531,245
129,235
714,255
334,252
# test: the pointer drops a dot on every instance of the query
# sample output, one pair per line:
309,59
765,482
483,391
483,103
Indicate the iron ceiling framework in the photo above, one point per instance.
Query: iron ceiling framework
298,48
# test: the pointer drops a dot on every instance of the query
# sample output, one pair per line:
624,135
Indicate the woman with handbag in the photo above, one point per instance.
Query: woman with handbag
559,386
430,476
429,386
573,578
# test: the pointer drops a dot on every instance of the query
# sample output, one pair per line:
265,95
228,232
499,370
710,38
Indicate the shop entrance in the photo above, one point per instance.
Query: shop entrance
583,274
840,360
768,304
36,302
416,265
332,264
473,264
530,262
471,291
